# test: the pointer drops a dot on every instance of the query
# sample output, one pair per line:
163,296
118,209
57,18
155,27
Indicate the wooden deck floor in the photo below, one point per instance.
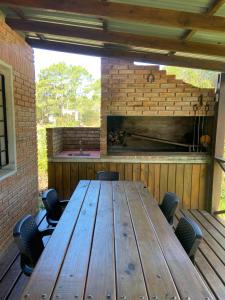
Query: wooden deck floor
210,259
12,280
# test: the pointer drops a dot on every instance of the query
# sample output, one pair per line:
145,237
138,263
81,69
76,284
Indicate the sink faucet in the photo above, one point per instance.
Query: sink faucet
81,150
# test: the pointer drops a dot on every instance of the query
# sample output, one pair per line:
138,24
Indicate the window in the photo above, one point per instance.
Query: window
4,155
7,124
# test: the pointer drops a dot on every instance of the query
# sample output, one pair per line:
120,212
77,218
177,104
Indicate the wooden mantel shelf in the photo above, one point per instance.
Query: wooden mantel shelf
150,158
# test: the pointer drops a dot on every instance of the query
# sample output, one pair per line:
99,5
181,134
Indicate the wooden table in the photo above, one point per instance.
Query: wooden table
113,242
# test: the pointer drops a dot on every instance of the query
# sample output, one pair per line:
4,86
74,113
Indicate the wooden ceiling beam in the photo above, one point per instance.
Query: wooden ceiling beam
116,37
127,12
145,57
210,11
217,4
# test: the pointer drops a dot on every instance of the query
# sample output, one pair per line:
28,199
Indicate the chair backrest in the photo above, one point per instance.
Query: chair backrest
108,176
29,241
51,203
189,235
169,205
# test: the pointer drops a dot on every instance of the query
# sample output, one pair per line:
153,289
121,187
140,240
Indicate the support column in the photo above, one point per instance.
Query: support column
217,172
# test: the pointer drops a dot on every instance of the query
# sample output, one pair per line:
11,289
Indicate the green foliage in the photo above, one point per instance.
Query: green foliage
42,150
61,87
199,78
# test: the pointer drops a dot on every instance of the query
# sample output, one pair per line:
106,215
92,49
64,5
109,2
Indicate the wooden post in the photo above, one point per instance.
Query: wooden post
218,146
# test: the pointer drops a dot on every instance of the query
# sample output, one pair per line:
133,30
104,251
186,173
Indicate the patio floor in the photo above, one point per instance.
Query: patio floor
210,259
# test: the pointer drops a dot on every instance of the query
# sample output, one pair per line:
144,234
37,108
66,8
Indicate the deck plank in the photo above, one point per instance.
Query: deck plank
50,262
157,275
210,256
102,262
73,273
187,282
211,241
130,280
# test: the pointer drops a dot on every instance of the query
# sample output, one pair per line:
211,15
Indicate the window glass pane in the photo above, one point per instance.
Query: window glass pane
3,158
0,82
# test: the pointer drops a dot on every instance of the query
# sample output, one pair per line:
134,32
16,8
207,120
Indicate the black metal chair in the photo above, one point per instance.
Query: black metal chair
190,235
53,206
107,176
169,205
29,240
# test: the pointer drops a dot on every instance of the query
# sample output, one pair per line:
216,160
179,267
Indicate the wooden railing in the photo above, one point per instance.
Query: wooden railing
221,162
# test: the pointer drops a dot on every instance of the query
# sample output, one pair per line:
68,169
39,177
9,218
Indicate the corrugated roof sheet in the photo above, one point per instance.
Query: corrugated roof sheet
58,17
204,37
144,29
196,6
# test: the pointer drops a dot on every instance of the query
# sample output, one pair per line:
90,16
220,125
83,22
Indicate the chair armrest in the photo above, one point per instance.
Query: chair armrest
64,202
47,231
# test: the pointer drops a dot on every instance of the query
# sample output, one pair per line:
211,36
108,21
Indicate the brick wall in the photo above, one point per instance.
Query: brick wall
19,193
126,92
68,138
54,141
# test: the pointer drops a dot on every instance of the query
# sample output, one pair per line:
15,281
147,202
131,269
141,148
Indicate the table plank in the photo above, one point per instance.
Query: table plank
72,278
130,279
186,278
49,264
101,275
157,275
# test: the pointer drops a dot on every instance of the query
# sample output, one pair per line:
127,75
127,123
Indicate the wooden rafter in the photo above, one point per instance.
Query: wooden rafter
21,15
146,57
117,37
210,12
127,12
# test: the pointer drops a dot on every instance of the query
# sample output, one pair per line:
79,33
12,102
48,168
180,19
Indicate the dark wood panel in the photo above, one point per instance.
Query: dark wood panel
195,185
180,182
51,174
188,181
66,180
187,186
163,183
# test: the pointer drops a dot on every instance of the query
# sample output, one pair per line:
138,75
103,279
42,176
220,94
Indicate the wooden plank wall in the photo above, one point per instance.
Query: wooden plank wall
188,181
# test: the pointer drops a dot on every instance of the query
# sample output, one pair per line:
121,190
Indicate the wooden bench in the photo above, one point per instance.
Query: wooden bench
210,258
12,280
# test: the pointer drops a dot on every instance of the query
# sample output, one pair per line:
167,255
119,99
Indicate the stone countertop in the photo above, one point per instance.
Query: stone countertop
147,158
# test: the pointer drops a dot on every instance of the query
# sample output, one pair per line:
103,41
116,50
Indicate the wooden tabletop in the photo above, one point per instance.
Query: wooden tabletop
113,242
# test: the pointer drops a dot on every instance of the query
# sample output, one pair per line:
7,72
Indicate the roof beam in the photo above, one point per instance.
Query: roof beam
127,12
210,11
117,37
145,57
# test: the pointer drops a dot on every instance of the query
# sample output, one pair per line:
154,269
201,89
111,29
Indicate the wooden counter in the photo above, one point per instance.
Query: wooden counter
186,175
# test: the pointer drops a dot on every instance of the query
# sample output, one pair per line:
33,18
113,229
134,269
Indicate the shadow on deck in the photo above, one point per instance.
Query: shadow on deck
210,259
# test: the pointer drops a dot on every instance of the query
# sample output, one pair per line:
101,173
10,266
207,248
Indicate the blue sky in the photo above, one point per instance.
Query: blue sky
44,58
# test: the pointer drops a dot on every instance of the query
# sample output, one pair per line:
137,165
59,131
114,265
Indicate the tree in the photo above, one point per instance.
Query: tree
199,78
62,86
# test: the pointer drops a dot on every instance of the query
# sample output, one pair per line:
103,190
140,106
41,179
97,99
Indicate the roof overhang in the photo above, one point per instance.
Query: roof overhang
164,32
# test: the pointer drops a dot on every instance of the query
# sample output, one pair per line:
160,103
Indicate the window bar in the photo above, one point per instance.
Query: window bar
5,119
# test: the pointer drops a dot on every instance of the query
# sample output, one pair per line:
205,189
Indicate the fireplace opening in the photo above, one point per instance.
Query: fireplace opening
133,135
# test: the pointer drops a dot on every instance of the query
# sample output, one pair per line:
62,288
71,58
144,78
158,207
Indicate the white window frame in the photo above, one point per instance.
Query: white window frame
10,169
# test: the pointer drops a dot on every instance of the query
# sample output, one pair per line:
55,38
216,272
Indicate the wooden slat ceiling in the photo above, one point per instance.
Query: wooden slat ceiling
140,30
